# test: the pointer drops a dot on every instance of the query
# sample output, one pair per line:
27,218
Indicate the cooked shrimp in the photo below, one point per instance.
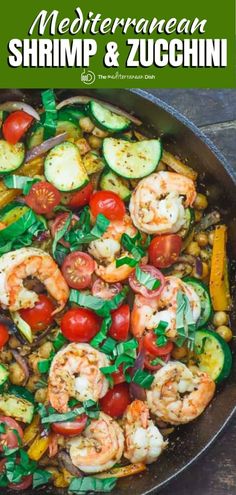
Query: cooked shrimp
75,372
99,447
143,441
16,266
147,313
108,248
177,395
157,205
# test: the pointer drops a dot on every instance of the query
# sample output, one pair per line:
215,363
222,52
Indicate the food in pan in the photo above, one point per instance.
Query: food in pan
114,295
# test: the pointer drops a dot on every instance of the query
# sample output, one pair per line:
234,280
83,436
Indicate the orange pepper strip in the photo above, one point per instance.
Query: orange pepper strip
219,284
178,166
121,472
38,447
31,430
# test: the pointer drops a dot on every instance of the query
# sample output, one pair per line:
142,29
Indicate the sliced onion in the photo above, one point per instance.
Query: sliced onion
23,364
136,391
12,328
187,258
45,146
11,106
85,99
198,267
65,462
208,220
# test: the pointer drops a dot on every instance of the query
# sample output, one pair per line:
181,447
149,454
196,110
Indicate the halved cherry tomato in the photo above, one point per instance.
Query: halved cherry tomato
108,203
10,437
16,125
149,342
82,197
119,328
22,485
149,358
104,290
4,335
71,428
77,269
164,250
80,324
58,223
43,197
40,316
118,376
116,400
141,289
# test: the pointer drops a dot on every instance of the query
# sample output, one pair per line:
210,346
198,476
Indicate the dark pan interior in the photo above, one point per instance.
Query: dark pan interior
183,138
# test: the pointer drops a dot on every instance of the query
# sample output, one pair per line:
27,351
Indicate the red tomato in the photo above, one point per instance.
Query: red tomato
16,125
22,485
40,316
82,197
116,400
141,289
164,250
108,203
43,197
149,342
80,324
118,376
119,328
104,290
4,335
154,367
77,269
59,222
71,428
10,438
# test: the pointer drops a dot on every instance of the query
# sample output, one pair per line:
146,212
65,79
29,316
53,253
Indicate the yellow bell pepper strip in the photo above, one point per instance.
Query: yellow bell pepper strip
38,447
121,472
219,283
178,166
31,430
30,169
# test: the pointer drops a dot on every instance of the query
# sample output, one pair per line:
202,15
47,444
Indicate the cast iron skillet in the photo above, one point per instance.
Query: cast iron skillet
182,137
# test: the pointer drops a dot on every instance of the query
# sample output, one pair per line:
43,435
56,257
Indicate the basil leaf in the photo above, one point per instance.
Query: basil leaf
49,118
125,260
108,346
59,341
129,243
19,182
101,335
91,408
60,233
81,233
143,378
60,253
101,225
2,428
44,366
158,360
144,278
58,418
100,306
79,486
41,477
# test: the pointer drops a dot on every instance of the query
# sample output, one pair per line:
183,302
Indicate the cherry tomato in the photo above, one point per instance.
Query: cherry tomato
71,428
10,438
16,125
4,335
40,316
43,197
108,203
116,400
58,223
118,376
164,250
104,290
80,324
82,197
119,328
149,342
154,367
77,269
22,485
141,289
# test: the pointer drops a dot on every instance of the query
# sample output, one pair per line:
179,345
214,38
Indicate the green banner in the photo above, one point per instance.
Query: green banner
76,44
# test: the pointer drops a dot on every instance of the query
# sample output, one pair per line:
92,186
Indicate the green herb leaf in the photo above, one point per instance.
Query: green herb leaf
81,232
89,407
108,346
44,366
101,335
156,361
59,341
100,306
60,233
49,118
125,260
2,428
79,486
146,279
41,477
130,244
19,182
143,378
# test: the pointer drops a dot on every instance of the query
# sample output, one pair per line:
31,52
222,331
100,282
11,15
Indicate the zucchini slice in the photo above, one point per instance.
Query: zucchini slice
132,160
213,354
11,156
16,407
113,182
205,300
3,374
66,123
105,119
93,162
22,326
64,167
189,223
